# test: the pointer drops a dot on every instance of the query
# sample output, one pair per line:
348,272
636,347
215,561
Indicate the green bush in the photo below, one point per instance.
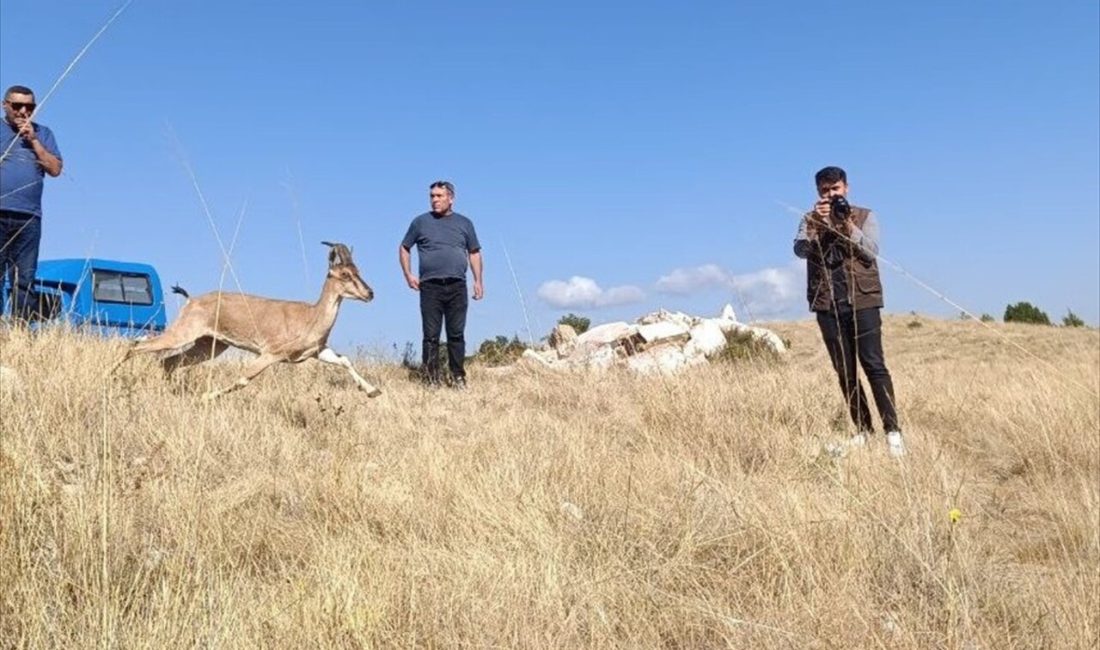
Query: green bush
986,318
580,324
500,351
743,346
1072,320
1025,312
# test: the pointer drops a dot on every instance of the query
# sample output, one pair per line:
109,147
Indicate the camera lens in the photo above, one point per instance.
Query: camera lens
840,208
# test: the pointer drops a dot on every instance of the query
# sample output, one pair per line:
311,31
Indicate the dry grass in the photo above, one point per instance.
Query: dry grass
555,512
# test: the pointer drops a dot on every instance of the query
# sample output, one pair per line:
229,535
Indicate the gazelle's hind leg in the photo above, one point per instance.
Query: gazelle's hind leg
176,340
258,365
328,355
204,349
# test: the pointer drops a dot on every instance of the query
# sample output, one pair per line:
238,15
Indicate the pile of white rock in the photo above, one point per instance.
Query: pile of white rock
660,342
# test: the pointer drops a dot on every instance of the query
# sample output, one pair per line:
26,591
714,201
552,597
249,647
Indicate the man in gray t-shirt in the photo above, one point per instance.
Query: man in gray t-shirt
445,244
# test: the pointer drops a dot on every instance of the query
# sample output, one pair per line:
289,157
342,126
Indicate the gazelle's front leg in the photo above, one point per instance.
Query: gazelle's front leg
328,355
258,365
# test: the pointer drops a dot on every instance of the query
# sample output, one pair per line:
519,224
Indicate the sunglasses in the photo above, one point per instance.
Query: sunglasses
19,106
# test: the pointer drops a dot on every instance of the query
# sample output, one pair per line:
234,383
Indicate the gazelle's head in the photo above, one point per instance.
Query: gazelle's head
342,269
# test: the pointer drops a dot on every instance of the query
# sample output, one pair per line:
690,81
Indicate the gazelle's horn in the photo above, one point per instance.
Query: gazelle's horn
338,254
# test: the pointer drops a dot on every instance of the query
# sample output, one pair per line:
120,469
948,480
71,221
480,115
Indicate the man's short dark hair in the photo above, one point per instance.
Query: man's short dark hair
830,176
18,90
447,185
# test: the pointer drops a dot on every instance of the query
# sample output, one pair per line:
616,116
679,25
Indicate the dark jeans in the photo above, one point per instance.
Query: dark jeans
444,301
849,335
20,234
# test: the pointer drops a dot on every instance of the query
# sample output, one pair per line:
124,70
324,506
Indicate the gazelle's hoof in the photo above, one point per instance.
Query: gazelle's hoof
374,393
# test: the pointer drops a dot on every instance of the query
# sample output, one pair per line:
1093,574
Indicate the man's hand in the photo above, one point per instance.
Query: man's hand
413,282
479,290
821,219
817,219
26,130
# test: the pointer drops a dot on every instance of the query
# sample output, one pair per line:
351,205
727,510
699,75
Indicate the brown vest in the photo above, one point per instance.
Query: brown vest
864,285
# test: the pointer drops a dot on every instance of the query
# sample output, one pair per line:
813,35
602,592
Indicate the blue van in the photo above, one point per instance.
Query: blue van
108,297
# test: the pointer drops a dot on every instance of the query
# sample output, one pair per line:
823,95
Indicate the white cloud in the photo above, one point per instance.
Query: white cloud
765,292
584,292
685,281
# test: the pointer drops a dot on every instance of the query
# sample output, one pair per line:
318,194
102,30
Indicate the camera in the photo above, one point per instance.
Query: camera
840,210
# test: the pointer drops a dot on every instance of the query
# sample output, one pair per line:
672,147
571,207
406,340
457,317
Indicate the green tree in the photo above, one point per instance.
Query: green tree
986,318
580,324
1025,312
1072,320
500,351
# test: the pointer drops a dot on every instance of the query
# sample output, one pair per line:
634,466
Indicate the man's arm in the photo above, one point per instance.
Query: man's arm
866,238
473,247
475,266
50,162
405,258
806,238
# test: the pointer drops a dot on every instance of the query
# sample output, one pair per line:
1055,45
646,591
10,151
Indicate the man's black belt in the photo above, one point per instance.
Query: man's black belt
443,281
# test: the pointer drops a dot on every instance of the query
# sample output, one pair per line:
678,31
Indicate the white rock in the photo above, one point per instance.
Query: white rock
665,316
706,338
661,330
770,338
606,333
154,557
572,510
532,358
672,341
663,359
600,358
563,339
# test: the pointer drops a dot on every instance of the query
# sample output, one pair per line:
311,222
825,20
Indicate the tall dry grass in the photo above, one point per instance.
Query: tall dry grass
543,511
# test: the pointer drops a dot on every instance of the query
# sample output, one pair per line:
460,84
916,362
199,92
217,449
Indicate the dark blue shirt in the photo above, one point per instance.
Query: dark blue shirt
443,244
20,174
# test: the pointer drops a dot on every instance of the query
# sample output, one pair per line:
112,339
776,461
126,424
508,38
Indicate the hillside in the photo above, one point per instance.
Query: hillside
555,511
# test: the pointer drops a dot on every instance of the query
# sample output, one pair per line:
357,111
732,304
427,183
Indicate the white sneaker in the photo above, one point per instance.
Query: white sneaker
895,444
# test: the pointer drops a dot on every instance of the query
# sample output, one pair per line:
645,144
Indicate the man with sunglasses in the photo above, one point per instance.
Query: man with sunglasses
27,153
446,244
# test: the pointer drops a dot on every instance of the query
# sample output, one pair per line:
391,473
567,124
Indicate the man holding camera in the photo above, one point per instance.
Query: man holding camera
840,245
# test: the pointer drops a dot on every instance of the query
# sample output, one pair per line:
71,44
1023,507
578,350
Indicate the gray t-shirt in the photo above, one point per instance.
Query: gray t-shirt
443,244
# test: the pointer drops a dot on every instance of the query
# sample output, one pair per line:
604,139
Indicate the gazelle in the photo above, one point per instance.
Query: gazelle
277,330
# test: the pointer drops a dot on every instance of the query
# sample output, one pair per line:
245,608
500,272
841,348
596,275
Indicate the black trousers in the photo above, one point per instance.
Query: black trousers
20,235
850,334
444,303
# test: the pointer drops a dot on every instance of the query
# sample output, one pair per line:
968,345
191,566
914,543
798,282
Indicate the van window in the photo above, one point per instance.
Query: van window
130,288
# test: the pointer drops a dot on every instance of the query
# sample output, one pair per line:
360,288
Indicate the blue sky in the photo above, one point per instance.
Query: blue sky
626,156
